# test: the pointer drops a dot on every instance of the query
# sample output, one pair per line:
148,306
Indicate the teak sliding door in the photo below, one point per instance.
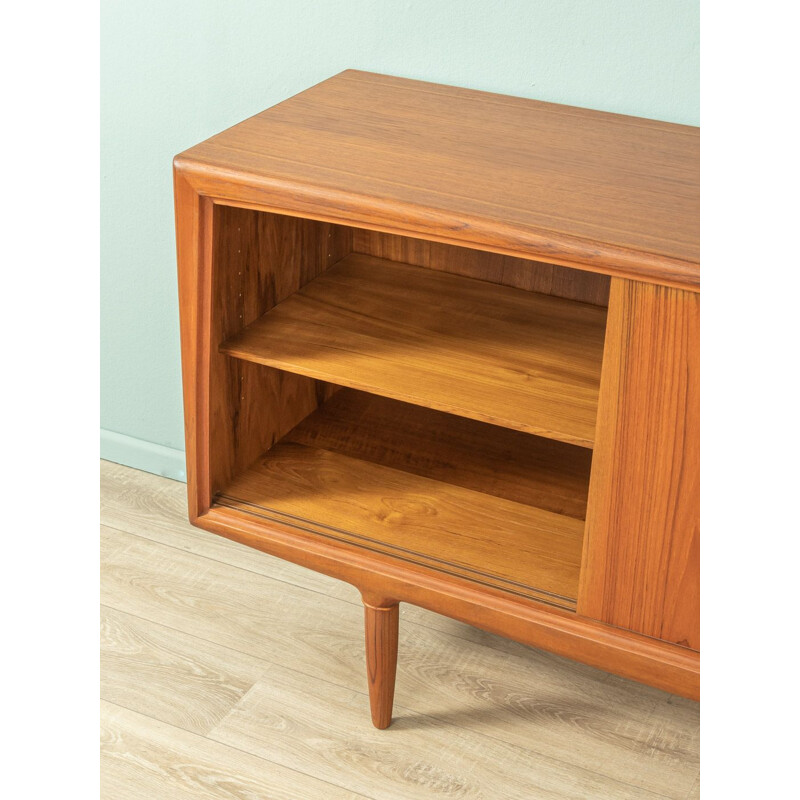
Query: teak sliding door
642,548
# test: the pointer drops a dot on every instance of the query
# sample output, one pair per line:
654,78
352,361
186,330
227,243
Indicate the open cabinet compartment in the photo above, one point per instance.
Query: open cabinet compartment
421,401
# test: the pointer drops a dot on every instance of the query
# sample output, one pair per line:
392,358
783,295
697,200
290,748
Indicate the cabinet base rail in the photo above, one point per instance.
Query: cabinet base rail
385,582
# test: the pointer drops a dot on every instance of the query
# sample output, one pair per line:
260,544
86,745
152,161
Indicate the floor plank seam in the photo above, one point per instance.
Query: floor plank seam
356,604
411,623
645,732
365,696
238,749
434,718
187,633
480,734
232,566
653,703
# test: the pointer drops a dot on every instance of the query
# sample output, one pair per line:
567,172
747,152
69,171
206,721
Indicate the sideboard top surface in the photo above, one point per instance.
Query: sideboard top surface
589,189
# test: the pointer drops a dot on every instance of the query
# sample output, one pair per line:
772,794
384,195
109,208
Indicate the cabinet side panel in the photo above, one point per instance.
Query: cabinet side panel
641,563
536,276
193,219
259,259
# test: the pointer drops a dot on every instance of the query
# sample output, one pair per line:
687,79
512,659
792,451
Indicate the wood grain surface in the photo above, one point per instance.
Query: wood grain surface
519,273
449,529
513,358
564,185
486,458
258,261
193,223
380,644
339,747
642,558
210,680
142,758
466,704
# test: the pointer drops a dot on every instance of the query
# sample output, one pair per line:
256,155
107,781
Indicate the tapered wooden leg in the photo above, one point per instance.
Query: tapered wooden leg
381,627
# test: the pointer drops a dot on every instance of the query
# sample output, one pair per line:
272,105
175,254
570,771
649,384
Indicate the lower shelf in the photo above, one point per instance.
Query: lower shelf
429,488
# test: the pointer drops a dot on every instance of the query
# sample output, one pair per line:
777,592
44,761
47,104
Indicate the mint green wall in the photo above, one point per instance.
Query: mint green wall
177,71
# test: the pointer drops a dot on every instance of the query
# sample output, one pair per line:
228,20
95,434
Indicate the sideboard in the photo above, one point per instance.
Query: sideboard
444,345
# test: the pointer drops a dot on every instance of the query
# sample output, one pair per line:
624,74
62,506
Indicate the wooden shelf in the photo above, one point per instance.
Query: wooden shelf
513,358
497,461
371,472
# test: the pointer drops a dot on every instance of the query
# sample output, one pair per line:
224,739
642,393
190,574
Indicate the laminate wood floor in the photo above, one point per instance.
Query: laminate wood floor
227,673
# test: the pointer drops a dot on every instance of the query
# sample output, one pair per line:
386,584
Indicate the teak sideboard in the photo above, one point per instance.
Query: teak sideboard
444,345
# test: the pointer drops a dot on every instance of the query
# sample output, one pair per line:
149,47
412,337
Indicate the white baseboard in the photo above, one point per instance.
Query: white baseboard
137,453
